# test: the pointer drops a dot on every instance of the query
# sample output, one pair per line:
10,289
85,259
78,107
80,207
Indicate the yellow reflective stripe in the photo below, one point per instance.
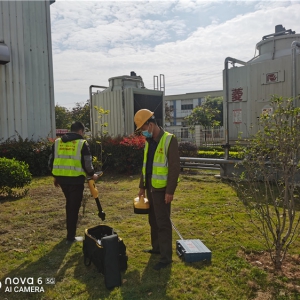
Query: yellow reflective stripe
145,162
56,146
167,142
69,156
156,164
68,168
79,147
159,177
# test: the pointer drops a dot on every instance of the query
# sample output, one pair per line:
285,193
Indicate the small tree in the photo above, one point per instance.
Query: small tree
205,115
81,113
216,104
62,117
168,112
98,159
271,167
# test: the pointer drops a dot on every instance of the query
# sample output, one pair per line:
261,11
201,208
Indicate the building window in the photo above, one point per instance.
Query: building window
184,133
186,106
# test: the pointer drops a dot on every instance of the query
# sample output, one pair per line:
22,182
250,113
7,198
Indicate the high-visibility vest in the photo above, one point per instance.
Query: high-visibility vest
160,162
67,158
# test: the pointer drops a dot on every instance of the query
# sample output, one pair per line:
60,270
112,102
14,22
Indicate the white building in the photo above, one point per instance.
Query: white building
26,71
182,106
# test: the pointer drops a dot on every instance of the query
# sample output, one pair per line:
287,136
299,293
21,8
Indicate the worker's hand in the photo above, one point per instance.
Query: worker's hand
55,182
95,177
168,198
141,193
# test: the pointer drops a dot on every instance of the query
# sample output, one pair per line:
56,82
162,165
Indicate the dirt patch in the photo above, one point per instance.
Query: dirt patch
288,277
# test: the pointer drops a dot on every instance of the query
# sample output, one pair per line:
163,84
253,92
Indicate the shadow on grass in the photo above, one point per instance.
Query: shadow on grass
135,286
47,268
200,265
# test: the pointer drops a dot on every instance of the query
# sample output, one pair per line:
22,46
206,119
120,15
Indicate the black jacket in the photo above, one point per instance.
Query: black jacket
86,161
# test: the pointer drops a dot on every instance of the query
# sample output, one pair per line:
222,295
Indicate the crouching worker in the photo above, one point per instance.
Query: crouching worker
160,172
70,163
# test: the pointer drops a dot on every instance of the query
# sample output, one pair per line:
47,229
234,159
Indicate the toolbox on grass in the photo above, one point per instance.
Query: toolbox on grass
107,251
192,250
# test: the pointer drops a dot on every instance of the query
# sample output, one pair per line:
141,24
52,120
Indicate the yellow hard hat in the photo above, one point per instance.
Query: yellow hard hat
141,117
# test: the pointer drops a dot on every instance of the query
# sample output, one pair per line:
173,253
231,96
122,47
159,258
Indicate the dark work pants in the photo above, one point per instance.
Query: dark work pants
73,194
160,224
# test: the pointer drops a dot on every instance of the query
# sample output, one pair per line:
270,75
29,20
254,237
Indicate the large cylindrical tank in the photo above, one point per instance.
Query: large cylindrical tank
248,88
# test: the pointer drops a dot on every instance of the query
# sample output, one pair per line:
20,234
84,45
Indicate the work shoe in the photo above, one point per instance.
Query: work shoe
160,265
76,239
151,251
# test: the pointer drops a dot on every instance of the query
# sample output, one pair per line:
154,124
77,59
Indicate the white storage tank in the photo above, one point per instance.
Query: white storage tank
248,86
123,98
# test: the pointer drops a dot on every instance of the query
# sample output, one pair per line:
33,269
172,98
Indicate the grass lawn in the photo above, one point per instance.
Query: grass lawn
32,246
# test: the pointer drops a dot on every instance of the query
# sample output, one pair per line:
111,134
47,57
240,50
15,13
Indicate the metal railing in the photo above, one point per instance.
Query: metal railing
205,163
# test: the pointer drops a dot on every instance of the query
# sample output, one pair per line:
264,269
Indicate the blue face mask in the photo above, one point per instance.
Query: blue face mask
147,134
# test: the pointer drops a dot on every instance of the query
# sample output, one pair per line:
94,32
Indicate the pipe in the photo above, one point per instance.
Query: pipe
91,106
162,79
226,123
294,46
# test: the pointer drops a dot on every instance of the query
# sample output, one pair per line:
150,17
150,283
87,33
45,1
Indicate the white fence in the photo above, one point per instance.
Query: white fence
202,136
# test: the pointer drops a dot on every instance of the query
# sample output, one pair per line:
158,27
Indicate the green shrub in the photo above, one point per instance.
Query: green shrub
34,153
14,174
219,154
120,154
187,149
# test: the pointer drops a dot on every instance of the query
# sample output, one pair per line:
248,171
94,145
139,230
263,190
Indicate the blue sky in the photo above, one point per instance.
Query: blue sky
186,40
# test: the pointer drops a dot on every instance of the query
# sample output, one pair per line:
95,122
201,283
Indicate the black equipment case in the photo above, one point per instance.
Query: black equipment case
192,251
107,251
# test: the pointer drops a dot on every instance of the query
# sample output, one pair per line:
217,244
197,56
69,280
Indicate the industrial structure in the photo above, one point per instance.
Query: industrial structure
248,86
26,71
124,96
248,89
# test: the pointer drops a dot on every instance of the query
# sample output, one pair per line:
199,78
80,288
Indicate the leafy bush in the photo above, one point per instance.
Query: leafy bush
120,154
14,174
34,153
187,149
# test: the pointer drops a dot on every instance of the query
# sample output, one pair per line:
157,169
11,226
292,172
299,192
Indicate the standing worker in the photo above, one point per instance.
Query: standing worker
70,162
160,172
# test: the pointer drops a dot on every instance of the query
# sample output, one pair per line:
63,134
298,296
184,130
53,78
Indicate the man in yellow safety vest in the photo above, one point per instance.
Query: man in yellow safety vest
160,172
70,162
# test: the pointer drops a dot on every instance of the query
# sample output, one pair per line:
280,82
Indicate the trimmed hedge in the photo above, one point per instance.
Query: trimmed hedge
34,153
219,154
14,174
121,154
